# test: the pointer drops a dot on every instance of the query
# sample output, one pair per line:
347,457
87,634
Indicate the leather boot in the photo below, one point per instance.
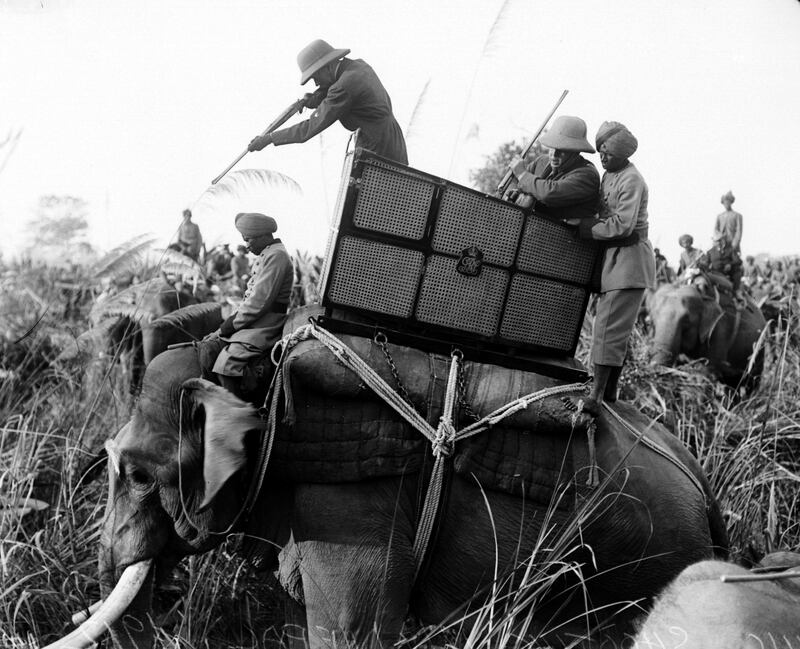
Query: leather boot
592,404
610,393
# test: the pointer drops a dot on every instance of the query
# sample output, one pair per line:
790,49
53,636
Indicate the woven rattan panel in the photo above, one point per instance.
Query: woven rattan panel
393,202
453,300
552,250
543,312
466,219
375,276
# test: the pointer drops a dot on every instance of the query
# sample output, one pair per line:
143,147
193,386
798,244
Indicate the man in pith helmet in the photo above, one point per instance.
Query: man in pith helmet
351,93
629,265
729,223
257,323
561,183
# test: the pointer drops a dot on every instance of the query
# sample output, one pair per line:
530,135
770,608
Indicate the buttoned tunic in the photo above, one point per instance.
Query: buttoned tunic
358,100
258,319
623,211
627,270
729,225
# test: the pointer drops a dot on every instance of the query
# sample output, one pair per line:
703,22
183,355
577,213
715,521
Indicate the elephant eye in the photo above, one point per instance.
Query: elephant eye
138,477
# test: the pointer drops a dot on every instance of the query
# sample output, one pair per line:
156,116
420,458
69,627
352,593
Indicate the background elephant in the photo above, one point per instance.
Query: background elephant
189,323
700,610
687,321
179,473
148,301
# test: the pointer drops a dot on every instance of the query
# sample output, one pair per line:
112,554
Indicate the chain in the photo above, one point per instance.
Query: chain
462,388
381,341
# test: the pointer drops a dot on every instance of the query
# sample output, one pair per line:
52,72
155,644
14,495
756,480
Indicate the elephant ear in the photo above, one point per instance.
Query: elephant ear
228,419
712,313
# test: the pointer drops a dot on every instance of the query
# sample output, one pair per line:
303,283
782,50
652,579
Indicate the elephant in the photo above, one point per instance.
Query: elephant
733,615
182,468
126,334
688,320
188,323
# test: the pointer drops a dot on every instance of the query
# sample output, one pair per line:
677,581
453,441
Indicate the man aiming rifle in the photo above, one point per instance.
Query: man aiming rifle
349,92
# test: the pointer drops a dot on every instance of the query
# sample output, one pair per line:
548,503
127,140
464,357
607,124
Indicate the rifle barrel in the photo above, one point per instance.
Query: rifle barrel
501,188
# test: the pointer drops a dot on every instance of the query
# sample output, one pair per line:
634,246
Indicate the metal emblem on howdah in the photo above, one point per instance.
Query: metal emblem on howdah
470,262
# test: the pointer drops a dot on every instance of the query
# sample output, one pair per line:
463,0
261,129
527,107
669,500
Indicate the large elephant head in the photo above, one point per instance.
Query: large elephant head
683,321
172,491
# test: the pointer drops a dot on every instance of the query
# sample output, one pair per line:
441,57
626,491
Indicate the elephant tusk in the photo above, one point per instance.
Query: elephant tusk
81,616
112,608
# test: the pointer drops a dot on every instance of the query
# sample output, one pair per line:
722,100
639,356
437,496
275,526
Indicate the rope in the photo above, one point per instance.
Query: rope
442,439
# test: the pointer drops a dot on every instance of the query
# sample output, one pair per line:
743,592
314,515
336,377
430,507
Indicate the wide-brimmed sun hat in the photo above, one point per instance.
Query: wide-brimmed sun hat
317,54
567,134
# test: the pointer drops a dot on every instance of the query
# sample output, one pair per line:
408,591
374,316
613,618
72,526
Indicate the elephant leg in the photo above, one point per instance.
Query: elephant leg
354,543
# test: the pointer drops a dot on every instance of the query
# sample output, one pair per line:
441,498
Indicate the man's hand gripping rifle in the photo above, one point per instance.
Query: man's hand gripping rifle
309,100
503,187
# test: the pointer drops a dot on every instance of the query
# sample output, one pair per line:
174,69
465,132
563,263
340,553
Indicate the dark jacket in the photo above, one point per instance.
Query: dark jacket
572,193
359,101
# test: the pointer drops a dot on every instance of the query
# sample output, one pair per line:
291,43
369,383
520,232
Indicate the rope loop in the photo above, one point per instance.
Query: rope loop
443,444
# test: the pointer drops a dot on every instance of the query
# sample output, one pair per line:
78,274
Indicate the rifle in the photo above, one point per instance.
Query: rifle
503,186
296,107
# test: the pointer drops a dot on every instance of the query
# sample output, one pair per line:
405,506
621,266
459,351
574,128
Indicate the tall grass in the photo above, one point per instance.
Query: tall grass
55,417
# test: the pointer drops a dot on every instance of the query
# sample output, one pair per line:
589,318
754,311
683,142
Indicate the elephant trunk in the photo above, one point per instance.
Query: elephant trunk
129,597
666,343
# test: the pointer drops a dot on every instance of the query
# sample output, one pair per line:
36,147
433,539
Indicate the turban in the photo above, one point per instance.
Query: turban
727,197
619,141
253,224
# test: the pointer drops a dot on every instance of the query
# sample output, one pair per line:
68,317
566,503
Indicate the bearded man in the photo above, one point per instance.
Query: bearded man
629,265
257,323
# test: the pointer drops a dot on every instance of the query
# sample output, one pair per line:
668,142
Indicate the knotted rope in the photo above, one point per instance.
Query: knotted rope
442,438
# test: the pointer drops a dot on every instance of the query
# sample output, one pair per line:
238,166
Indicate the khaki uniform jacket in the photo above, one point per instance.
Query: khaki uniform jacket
623,211
258,325
729,224
569,194
189,235
359,101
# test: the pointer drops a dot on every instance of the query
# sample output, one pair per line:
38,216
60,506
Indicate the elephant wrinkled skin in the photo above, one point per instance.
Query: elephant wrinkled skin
686,321
179,472
733,615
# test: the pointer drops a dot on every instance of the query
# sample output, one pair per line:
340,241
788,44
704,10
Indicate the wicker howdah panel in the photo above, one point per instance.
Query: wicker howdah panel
457,301
376,276
467,219
393,203
543,312
550,249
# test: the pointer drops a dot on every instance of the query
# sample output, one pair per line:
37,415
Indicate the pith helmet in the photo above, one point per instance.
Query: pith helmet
317,54
568,134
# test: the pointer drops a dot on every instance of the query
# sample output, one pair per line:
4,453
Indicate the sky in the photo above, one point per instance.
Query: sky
136,106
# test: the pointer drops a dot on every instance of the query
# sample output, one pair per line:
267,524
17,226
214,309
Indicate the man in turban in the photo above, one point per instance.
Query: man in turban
257,323
561,183
350,92
729,223
628,266
689,255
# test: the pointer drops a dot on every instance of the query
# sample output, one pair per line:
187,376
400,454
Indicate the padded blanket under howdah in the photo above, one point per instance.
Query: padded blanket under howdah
340,430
